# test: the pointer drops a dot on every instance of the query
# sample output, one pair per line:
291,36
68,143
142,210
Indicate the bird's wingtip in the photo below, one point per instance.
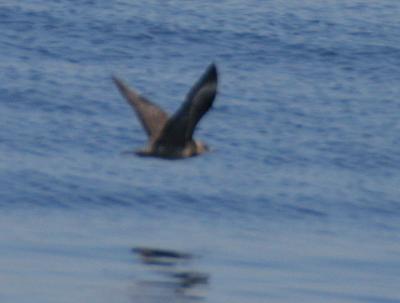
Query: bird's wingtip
120,84
212,71
115,79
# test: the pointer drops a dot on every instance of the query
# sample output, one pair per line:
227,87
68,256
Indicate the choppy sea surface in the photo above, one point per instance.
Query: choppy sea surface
298,201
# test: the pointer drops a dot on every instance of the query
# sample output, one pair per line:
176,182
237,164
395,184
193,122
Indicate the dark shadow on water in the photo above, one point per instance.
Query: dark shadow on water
160,255
174,280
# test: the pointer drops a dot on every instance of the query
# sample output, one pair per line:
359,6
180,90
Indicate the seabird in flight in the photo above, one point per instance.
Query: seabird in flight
172,137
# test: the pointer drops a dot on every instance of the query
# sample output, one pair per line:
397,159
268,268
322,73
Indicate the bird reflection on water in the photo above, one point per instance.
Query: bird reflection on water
175,281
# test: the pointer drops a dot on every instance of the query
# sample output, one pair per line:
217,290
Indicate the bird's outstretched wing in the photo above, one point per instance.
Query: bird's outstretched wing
152,117
180,127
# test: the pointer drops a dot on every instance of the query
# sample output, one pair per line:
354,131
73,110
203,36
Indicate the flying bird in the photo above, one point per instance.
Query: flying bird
172,137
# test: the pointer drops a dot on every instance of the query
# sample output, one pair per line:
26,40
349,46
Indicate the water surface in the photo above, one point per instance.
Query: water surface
298,200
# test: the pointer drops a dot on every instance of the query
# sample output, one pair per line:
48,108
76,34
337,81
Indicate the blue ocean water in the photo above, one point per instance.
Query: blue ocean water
298,201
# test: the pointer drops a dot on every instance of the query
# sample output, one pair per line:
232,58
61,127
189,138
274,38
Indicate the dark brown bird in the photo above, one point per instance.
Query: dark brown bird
172,137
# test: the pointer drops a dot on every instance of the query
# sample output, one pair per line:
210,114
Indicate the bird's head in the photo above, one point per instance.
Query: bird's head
201,147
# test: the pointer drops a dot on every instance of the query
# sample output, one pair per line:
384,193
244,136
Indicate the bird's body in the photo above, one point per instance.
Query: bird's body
172,137
190,149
